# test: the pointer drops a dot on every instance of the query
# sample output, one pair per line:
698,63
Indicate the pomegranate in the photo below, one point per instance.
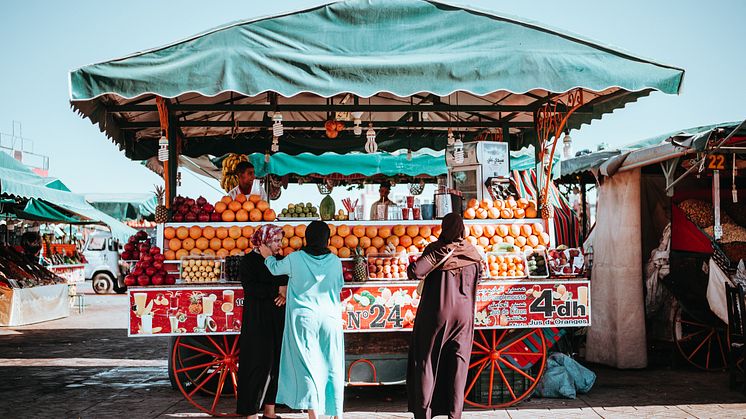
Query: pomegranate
141,235
126,255
158,266
155,250
132,239
130,280
143,280
170,280
150,271
129,247
146,258
190,217
215,217
203,217
159,257
135,255
208,208
189,202
144,248
137,271
178,218
201,201
157,279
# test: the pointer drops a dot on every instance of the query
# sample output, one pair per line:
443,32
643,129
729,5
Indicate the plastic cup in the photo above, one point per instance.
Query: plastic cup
410,201
416,213
147,323
405,213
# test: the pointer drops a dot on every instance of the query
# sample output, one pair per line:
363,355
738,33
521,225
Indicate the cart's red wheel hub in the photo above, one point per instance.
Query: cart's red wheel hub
506,366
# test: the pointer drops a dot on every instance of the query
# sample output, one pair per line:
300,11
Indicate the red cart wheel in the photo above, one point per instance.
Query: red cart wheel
506,366
701,344
206,368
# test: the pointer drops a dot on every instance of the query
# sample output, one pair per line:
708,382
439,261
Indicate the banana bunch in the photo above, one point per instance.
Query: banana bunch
230,179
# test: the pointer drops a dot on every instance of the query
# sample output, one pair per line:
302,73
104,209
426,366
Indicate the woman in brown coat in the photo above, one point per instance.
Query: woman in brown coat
444,327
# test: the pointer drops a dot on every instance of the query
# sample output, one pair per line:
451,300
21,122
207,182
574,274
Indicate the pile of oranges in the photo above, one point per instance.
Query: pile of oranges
506,266
507,209
375,239
235,240
243,209
525,237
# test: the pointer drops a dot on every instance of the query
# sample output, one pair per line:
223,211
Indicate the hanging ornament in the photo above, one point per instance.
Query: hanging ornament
266,157
567,147
451,138
357,120
371,146
277,128
734,174
163,148
275,147
458,151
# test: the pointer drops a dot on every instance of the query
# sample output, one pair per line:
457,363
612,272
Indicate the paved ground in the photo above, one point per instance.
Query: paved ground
85,367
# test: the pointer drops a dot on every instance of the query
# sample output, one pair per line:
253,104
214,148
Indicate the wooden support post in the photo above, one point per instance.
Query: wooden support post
171,171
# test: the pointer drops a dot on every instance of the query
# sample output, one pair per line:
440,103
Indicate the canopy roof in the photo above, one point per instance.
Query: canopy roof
658,148
17,181
425,65
122,206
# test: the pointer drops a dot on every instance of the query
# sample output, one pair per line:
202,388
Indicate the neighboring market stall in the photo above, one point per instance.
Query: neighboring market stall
33,292
289,85
686,190
125,206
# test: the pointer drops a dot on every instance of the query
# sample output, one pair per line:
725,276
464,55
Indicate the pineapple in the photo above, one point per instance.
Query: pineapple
360,270
195,303
161,212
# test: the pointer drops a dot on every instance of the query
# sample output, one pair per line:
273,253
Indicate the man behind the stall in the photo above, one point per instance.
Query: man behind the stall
384,202
246,184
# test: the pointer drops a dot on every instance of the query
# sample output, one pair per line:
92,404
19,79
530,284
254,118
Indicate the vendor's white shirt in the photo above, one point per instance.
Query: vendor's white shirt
256,189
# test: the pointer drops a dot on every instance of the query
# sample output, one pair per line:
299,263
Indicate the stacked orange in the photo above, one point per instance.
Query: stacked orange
344,239
526,237
506,265
506,209
243,209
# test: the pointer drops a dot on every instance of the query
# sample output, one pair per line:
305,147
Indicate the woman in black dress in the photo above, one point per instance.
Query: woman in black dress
444,326
261,327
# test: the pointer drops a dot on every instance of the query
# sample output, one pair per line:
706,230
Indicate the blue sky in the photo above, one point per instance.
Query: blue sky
42,40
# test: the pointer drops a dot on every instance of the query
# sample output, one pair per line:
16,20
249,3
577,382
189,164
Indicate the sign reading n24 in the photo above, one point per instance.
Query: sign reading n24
534,305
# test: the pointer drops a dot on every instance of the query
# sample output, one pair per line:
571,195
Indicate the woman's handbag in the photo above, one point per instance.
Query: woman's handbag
421,284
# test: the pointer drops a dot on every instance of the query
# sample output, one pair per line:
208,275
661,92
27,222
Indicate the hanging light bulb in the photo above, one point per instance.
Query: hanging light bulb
163,148
458,151
567,147
266,157
451,138
277,128
370,135
409,154
357,120
425,116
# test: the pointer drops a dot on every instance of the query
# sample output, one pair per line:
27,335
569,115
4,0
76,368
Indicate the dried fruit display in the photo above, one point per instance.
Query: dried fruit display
536,261
200,270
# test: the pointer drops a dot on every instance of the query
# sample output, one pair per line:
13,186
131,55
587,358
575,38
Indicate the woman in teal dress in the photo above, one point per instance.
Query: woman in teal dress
312,360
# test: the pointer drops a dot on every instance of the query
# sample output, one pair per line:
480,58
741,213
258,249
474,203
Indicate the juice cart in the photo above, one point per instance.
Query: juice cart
334,79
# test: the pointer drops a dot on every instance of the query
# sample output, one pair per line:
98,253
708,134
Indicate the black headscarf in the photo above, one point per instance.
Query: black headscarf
452,239
317,238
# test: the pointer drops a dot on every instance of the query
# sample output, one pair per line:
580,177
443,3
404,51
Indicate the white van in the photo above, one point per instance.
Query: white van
103,267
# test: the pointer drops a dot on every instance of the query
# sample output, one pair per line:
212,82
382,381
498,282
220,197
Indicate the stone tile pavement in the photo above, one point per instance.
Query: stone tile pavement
75,368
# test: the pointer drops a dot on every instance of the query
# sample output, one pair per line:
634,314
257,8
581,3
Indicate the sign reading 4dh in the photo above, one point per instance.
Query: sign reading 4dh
534,304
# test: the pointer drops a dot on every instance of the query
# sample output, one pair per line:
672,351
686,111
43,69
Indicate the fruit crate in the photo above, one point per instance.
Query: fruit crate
566,262
387,267
196,269
541,258
506,265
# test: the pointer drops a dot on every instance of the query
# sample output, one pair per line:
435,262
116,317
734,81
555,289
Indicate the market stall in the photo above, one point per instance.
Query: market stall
314,101
686,189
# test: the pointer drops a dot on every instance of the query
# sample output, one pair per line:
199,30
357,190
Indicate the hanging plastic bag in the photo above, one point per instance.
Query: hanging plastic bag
656,269
564,377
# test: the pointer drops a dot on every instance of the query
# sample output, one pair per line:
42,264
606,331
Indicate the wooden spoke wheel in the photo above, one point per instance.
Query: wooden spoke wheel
505,367
702,344
206,371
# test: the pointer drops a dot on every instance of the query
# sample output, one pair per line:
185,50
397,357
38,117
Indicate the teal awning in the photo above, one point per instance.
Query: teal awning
222,81
18,181
124,206
38,210
689,140
423,163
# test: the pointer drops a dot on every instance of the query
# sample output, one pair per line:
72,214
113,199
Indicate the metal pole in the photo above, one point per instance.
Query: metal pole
584,206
